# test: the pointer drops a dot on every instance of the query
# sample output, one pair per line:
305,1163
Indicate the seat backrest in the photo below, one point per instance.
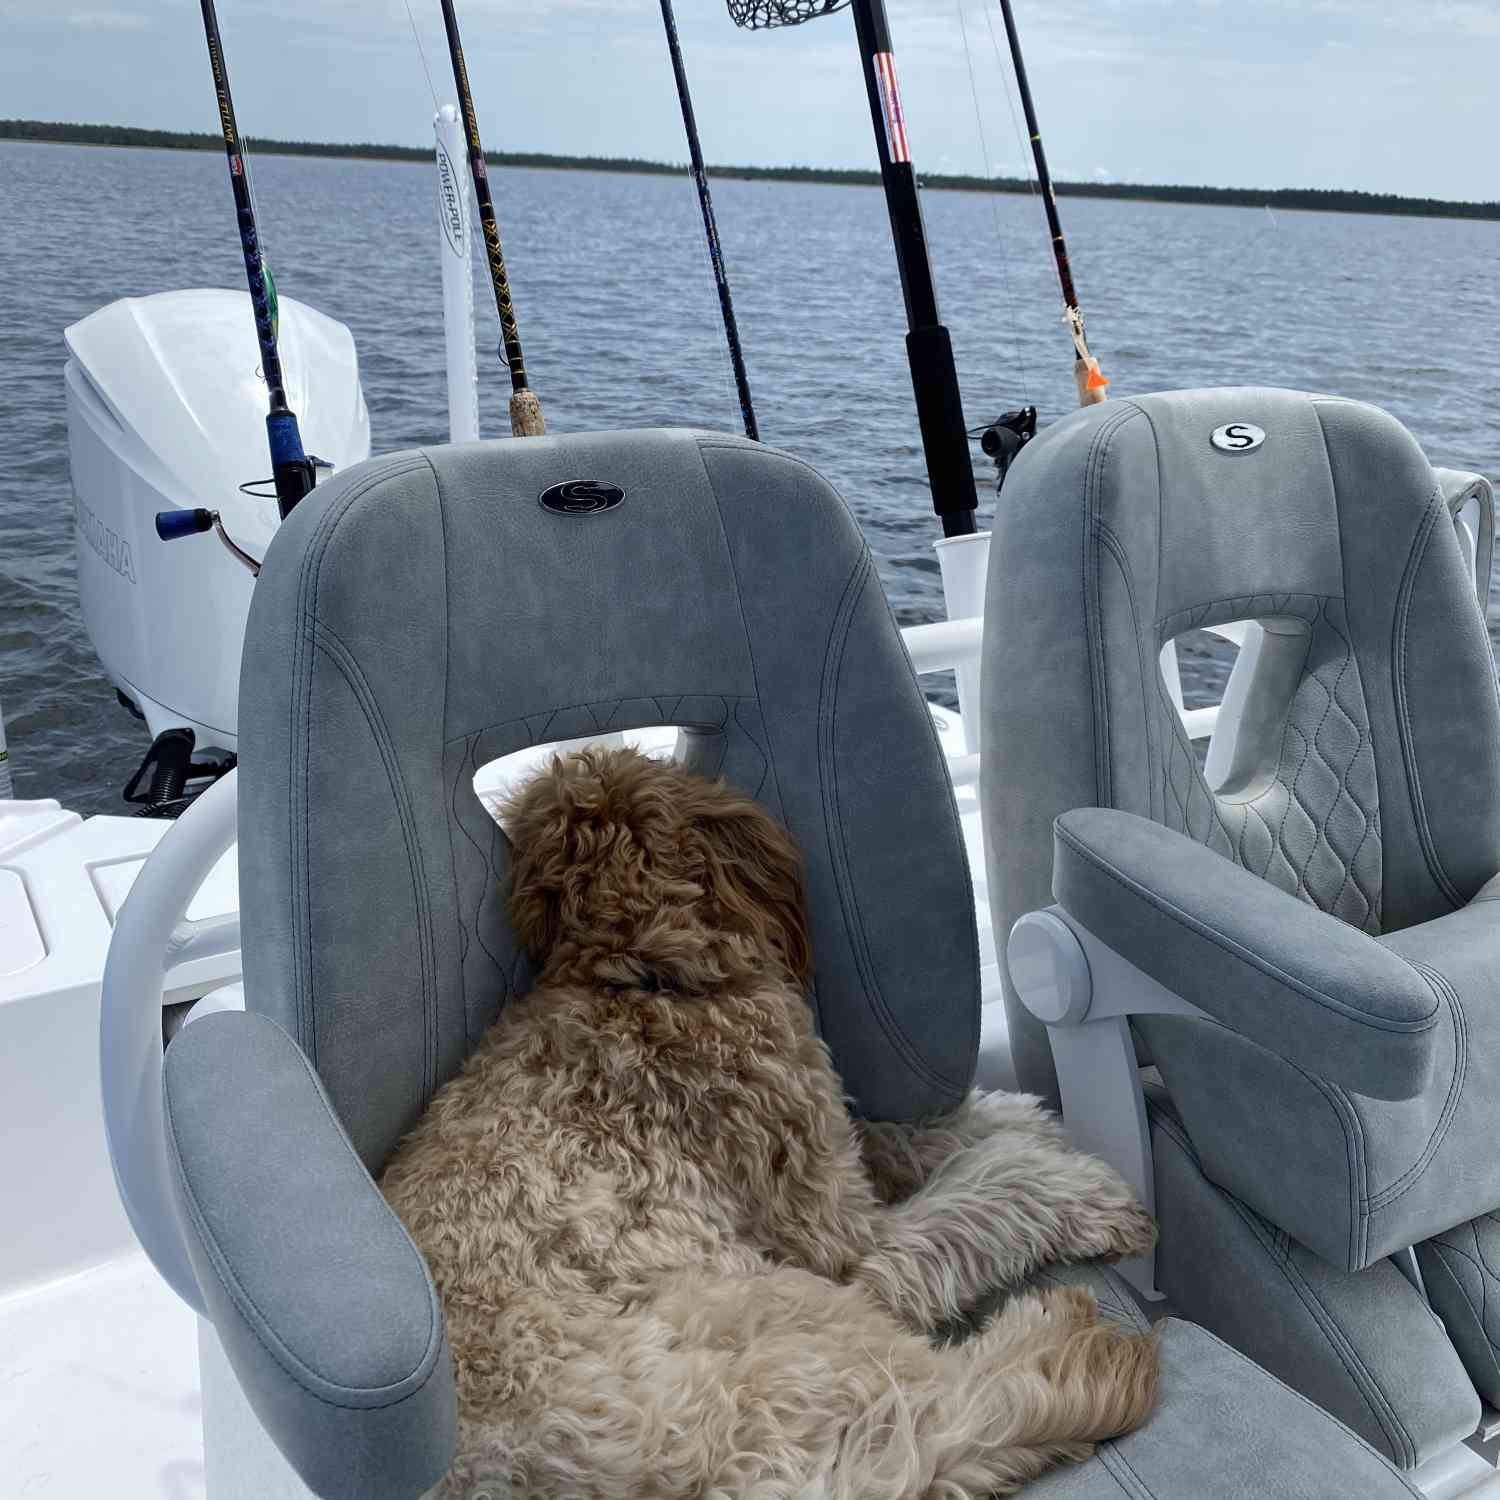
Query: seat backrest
1366,770
424,613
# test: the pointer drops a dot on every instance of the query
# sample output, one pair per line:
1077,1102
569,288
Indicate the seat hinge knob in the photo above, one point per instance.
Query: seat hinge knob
1049,968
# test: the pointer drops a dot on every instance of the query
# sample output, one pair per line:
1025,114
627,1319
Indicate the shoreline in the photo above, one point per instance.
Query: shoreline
1317,200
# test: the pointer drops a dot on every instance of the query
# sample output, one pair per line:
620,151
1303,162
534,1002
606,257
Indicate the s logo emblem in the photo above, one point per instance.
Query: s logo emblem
1237,437
581,497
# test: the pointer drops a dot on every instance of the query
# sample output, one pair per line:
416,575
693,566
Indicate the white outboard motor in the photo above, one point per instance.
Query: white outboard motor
167,409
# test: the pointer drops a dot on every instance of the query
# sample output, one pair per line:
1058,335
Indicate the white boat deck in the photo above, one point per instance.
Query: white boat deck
98,1362
99,1389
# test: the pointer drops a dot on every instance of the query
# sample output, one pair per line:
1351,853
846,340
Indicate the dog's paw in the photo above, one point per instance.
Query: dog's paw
1097,1379
1125,1231
1033,1321
1106,1221
1069,1305
1104,1375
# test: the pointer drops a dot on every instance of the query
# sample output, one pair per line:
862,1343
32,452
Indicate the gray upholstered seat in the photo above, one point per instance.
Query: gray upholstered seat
416,618
1326,904
1222,1429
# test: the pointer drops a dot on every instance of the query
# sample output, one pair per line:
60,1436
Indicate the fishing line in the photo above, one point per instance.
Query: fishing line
1015,123
247,155
984,146
247,152
422,53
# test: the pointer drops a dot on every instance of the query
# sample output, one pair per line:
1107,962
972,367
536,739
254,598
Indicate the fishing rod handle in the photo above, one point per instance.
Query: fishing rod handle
526,415
510,335
292,472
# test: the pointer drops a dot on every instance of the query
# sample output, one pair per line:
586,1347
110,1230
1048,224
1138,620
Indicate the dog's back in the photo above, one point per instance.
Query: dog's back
663,1264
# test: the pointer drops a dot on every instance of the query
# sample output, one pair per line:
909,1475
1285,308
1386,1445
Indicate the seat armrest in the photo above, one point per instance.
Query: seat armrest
1273,968
322,1302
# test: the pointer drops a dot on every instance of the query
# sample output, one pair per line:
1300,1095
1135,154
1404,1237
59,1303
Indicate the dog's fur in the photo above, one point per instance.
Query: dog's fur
668,1270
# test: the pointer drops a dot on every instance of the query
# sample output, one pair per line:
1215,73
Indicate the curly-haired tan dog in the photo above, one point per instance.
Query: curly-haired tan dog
668,1272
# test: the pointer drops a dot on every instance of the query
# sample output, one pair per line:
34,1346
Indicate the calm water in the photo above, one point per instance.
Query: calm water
620,324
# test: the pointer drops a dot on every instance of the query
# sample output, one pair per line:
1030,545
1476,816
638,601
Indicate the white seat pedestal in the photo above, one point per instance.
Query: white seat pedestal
1458,1473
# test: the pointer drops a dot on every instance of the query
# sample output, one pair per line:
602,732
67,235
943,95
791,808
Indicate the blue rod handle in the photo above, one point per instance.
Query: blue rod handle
171,524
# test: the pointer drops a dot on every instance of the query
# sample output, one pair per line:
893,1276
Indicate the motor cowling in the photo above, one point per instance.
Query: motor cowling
167,409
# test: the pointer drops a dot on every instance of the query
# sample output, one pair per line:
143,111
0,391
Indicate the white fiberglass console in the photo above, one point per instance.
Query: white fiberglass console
63,883
167,409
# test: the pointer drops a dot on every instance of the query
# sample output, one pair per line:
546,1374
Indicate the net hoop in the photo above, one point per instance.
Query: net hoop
760,15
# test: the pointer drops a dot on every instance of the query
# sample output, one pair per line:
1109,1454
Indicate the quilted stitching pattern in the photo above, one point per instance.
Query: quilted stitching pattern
1315,830
1242,607
1461,1268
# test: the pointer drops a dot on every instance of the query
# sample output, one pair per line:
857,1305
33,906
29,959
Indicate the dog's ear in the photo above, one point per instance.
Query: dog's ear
532,813
553,822
753,875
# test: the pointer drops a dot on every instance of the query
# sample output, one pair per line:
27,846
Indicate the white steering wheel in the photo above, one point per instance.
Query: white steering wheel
152,937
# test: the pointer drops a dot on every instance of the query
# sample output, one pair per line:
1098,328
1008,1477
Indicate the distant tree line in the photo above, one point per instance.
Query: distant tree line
1327,200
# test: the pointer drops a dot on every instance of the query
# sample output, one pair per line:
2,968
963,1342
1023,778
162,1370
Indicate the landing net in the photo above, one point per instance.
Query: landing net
757,15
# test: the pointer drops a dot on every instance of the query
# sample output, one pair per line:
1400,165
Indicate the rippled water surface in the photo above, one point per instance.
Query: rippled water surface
620,325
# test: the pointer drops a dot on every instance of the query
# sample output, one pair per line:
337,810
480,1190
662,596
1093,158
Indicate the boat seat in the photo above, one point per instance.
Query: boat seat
418,617
1303,929
1222,1430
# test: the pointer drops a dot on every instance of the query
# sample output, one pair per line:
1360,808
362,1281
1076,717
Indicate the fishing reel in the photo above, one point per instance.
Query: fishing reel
173,524
1003,438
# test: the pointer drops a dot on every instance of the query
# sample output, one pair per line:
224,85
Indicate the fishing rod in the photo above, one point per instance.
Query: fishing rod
710,227
293,472
1086,373
525,409
929,350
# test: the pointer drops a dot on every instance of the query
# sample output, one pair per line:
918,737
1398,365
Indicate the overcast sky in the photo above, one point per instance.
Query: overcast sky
1374,94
